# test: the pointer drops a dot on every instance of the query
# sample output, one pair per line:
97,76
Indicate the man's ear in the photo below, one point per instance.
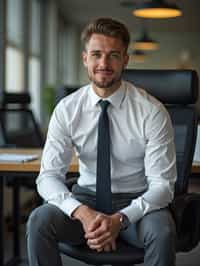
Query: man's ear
84,58
126,59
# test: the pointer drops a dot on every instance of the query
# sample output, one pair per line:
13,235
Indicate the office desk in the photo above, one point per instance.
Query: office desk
196,168
30,170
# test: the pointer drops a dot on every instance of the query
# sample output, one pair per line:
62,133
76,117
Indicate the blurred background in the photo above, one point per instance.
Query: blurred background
40,55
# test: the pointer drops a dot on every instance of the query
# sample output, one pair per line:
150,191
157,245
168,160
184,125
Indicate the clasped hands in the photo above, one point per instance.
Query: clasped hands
101,230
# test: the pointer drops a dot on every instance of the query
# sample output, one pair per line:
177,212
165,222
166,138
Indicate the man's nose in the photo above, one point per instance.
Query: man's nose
104,61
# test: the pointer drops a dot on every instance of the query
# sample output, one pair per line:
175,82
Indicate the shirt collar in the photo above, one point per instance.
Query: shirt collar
115,99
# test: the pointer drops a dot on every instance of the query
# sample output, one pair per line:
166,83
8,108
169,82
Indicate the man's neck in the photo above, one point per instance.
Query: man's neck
105,92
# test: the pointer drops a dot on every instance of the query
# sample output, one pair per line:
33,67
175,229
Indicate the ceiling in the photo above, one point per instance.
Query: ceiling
79,12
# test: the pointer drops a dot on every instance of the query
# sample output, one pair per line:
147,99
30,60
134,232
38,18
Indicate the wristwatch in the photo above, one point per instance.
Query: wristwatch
124,220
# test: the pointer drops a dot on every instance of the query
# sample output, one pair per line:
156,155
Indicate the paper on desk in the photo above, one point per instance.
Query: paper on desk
19,158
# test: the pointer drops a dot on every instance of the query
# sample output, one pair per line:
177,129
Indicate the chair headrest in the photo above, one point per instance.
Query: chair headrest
16,98
169,86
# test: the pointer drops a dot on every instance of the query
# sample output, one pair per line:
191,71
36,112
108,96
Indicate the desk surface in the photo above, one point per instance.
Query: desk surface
34,166
31,166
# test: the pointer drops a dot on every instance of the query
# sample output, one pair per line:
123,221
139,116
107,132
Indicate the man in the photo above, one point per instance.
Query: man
142,164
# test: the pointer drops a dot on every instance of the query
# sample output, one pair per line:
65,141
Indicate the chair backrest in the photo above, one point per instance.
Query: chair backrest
15,98
64,91
178,91
18,122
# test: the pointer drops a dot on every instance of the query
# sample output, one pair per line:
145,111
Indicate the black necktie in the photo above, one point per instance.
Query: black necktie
103,185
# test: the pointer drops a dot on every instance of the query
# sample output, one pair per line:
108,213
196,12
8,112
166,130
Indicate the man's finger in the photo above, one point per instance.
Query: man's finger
113,244
99,245
107,248
100,231
100,239
95,223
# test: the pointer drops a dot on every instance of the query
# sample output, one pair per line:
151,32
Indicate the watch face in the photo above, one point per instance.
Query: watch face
125,222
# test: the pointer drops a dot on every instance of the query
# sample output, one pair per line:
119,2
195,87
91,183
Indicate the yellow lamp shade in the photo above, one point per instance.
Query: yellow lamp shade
157,9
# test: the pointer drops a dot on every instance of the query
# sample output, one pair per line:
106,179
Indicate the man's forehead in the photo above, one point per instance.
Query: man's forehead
100,41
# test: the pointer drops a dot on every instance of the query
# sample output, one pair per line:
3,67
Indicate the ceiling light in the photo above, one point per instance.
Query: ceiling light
137,56
156,9
145,42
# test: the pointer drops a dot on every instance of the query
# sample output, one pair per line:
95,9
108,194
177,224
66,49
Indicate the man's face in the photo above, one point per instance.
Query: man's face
105,58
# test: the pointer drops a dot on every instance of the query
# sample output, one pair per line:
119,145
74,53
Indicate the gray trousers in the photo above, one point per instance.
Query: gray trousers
48,225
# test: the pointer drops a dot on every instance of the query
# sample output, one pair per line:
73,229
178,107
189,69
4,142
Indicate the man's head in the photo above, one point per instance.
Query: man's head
108,27
105,56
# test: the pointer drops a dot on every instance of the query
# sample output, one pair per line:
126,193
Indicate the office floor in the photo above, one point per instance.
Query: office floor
183,259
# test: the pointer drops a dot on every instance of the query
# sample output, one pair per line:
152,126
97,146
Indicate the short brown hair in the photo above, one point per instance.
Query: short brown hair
108,27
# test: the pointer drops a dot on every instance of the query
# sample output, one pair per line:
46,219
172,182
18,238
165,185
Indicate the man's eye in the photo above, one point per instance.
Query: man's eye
96,55
115,55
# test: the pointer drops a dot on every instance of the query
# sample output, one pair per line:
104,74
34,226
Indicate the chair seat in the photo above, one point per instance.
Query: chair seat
124,255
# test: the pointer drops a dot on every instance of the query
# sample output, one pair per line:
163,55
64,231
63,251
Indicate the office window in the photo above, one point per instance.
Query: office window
35,27
15,22
35,57
34,85
14,49
14,70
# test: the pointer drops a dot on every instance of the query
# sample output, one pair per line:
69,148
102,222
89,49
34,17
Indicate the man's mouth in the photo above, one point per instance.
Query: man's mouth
104,71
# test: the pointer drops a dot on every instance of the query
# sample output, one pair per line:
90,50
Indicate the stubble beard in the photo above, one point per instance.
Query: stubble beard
104,84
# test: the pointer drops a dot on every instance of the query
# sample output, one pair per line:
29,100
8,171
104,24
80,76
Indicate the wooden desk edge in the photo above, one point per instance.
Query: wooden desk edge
34,166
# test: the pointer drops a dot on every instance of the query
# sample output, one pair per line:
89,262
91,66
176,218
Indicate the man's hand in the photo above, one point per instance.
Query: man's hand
103,232
86,216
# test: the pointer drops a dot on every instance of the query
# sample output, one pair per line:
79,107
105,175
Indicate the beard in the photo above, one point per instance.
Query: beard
104,84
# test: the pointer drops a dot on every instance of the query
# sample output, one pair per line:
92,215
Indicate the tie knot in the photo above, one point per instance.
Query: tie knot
104,105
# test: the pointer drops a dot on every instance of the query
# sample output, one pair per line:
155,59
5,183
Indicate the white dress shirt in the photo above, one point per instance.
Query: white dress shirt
142,149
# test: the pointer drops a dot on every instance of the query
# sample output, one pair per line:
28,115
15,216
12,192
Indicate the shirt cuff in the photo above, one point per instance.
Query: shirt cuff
68,205
133,212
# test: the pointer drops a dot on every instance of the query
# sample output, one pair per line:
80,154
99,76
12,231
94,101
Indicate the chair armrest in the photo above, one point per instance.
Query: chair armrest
186,213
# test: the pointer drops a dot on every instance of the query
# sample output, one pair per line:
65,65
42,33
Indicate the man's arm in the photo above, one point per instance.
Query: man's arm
55,161
160,166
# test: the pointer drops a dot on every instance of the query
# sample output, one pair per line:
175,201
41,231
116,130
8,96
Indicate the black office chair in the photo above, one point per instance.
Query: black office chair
19,126
178,90
65,91
20,130
18,122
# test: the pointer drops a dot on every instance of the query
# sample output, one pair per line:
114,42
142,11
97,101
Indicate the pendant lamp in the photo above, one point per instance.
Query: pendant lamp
145,42
138,56
156,9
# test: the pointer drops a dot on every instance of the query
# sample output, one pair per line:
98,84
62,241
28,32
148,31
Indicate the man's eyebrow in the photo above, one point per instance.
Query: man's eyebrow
95,51
115,51
100,51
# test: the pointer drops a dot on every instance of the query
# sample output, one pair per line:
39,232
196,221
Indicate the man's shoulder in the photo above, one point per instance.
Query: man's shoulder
141,97
68,105
74,97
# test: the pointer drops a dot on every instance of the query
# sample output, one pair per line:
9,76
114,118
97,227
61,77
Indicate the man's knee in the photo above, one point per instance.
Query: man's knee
41,218
158,228
165,237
